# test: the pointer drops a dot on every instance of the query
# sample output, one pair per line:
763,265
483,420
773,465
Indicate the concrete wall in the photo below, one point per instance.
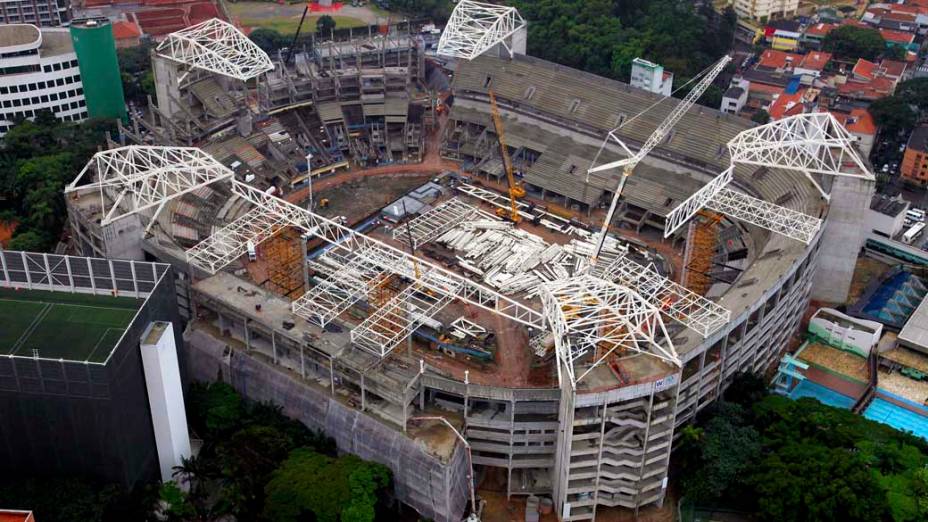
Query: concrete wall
435,489
845,233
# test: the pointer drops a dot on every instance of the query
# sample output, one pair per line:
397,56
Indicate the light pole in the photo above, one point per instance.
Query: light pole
309,174
470,463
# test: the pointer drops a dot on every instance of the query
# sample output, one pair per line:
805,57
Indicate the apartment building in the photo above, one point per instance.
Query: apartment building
44,13
766,9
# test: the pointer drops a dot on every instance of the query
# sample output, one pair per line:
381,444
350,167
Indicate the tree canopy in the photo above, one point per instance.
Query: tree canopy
902,111
603,37
851,42
801,460
325,24
37,159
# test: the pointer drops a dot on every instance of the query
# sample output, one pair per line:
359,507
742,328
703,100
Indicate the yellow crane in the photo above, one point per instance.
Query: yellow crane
516,190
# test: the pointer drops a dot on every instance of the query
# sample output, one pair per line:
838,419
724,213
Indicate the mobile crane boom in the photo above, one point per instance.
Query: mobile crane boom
628,164
516,191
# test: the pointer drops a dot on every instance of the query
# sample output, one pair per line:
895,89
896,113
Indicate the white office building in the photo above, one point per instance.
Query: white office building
651,77
764,10
38,71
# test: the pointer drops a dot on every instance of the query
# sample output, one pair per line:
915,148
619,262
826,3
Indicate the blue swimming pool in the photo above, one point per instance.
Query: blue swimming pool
824,395
881,410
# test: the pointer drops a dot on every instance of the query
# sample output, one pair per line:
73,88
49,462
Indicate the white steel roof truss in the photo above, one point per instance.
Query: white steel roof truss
672,299
343,288
435,222
811,143
590,315
693,204
386,328
216,46
392,259
231,241
775,218
140,177
476,27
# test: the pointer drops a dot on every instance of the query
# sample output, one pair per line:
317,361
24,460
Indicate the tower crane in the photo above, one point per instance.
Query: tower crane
628,164
516,190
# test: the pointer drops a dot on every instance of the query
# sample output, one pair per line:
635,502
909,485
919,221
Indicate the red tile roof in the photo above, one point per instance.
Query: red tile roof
815,60
758,87
16,516
865,69
126,30
859,121
871,90
820,29
897,36
893,68
787,105
773,59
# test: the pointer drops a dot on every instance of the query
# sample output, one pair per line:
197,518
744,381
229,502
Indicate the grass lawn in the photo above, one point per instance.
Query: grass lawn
283,18
60,325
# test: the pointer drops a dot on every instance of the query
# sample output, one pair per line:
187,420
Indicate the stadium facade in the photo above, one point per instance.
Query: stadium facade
603,442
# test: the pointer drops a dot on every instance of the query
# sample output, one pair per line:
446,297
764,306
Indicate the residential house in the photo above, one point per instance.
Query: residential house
783,35
815,34
859,122
812,64
736,96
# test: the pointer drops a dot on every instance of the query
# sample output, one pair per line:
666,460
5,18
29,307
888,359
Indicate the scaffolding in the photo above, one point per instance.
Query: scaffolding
284,264
700,251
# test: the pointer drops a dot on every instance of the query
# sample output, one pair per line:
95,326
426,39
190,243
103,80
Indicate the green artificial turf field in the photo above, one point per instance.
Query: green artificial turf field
74,327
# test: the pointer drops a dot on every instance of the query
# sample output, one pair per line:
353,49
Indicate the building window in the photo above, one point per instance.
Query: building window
4,90
35,99
44,98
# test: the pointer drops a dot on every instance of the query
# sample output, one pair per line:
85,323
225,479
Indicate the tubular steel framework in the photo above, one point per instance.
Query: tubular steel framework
435,222
348,274
231,241
429,276
216,46
775,218
137,178
810,143
476,27
675,301
593,320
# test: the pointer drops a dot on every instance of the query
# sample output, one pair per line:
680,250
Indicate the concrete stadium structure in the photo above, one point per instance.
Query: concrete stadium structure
599,441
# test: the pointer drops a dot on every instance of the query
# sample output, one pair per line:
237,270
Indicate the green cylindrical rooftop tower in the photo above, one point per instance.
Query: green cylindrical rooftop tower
96,57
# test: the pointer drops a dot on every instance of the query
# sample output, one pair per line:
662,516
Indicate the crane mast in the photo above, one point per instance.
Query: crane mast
515,190
628,164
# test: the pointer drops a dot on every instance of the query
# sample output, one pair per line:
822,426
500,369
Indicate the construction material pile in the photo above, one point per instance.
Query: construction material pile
514,261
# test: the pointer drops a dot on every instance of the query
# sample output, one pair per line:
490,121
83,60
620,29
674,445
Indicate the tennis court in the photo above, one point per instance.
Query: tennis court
58,325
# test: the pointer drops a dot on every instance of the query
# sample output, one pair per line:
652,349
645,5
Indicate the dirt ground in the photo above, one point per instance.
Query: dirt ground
360,197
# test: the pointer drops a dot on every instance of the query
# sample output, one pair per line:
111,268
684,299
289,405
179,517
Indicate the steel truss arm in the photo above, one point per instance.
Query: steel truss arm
349,276
676,301
138,178
812,143
592,319
696,202
216,46
231,241
775,218
386,328
476,27
389,258
434,223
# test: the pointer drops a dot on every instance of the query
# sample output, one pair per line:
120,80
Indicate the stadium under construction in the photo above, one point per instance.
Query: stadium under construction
366,244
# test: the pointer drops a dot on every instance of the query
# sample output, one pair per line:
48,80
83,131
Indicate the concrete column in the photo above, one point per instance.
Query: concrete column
842,239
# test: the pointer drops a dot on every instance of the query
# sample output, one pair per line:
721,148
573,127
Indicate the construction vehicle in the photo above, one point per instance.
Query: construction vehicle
516,190
324,202
628,164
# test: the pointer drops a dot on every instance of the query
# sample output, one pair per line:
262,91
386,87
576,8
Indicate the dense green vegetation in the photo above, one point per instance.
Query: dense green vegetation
67,499
849,42
138,80
801,460
256,464
603,36
902,111
435,10
37,159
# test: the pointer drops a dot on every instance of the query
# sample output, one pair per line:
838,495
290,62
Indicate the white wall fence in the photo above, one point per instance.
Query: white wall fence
86,275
